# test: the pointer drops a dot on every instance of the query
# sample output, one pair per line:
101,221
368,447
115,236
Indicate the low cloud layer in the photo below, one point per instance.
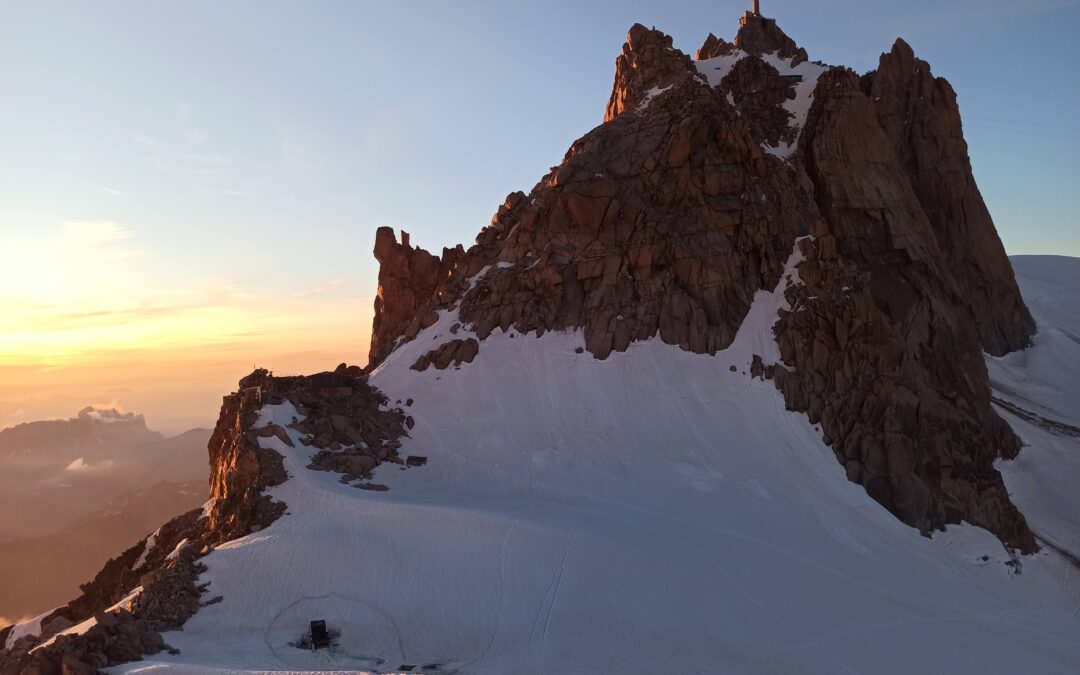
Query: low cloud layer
80,465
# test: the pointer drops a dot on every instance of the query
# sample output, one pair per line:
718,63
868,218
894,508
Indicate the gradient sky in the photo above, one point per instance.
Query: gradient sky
188,189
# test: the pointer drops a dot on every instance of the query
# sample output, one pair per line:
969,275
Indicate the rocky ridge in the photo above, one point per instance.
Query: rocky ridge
665,220
153,586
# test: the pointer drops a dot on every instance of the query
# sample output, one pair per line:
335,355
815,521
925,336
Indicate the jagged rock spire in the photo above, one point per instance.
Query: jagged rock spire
647,62
759,35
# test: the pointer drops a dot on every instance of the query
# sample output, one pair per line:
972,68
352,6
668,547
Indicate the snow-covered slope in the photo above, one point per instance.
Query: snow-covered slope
652,512
1038,392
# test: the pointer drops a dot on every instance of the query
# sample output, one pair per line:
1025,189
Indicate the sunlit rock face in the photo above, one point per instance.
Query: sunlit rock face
407,278
705,176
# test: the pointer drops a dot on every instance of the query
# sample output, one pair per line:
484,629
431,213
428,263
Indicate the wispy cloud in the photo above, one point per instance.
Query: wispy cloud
208,160
333,286
80,465
147,141
93,232
225,192
185,129
114,192
177,149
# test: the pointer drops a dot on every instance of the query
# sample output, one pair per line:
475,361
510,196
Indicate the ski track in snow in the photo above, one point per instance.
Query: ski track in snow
652,512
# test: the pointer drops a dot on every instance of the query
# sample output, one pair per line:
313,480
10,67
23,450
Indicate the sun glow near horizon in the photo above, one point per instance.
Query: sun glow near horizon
89,315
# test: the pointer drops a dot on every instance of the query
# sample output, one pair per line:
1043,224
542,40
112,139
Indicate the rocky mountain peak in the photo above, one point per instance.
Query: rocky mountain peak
647,65
409,276
705,179
713,47
760,35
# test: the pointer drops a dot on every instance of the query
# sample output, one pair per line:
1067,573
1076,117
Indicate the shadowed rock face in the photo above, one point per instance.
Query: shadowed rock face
758,35
922,120
759,92
665,220
882,352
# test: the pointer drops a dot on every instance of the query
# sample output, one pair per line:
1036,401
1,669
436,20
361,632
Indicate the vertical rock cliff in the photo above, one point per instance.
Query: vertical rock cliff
921,118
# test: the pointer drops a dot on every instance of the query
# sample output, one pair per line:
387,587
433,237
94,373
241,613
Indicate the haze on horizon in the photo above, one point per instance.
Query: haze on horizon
189,191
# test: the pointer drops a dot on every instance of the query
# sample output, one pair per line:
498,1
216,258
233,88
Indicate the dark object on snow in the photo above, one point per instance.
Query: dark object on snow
319,637
374,487
416,460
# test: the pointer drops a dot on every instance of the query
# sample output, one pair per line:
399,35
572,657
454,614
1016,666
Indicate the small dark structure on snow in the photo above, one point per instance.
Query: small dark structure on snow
318,637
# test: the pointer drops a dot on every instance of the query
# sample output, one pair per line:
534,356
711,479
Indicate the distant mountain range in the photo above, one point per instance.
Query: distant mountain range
38,573
76,492
53,473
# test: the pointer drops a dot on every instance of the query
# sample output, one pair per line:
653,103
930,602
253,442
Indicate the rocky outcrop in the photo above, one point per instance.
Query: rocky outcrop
759,92
659,224
407,278
450,353
921,118
713,47
240,468
120,630
353,426
882,353
759,35
648,63
665,220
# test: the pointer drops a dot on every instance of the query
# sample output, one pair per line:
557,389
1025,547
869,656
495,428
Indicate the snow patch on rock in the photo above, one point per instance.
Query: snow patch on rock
799,106
717,68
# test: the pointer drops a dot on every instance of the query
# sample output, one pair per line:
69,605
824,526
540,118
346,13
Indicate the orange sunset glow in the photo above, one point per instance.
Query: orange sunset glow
88,321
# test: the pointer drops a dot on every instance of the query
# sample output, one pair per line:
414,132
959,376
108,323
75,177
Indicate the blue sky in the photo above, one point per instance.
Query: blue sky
243,153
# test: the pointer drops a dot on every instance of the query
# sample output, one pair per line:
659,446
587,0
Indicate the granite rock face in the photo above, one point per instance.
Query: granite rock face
665,220
920,116
882,352
758,91
713,47
648,63
407,278
759,35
